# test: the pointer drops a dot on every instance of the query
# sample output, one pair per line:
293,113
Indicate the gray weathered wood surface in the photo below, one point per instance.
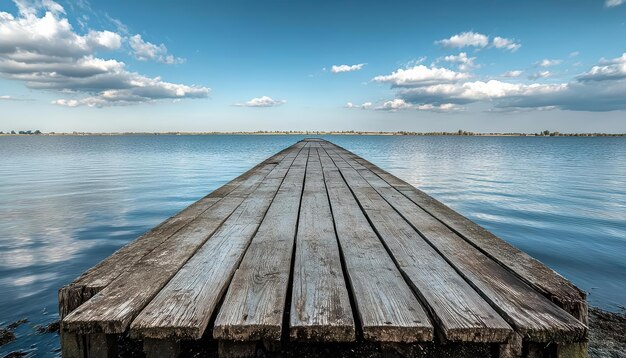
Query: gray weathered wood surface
388,310
182,309
320,306
461,313
527,310
539,276
316,244
255,302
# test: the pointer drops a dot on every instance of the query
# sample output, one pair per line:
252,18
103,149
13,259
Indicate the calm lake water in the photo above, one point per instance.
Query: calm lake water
68,202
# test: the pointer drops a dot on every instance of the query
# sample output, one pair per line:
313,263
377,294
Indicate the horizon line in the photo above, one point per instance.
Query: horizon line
542,133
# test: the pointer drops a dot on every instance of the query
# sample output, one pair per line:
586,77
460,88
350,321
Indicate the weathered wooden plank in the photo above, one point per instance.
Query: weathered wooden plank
72,345
460,313
254,304
530,313
545,280
387,307
112,309
96,278
183,308
320,305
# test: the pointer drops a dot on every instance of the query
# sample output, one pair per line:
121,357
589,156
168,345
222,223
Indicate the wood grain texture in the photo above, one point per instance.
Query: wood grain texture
530,313
98,277
534,273
183,308
254,304
320,305
460,312
112,309
387,307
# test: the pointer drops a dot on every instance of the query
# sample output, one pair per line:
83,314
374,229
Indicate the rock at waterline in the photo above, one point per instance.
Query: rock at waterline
6,336
17,323
51,328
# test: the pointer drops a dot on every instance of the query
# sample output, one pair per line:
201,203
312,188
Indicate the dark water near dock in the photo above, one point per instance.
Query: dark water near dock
68,202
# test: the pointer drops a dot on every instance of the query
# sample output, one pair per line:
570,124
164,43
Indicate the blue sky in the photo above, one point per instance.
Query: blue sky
324,65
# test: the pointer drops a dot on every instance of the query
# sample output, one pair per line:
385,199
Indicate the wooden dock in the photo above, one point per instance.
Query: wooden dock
318,252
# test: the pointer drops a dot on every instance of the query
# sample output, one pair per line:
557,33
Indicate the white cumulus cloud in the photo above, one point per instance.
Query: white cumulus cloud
465,39
147,51
394,105
607,70
548,62
601,88
142,90
464,62
398,104
263,101
421,76
476,39
469,92
504,43
39,47
613,3
346,68
49,37
366,105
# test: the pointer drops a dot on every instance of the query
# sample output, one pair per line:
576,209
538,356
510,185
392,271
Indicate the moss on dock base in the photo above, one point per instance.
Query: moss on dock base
607,339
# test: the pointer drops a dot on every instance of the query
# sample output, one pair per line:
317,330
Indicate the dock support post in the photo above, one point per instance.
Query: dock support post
97,345
101,345
161,348
513,347
572,350
231,349
72,345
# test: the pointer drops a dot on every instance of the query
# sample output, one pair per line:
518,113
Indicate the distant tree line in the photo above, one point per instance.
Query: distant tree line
28,132
460,132
547,133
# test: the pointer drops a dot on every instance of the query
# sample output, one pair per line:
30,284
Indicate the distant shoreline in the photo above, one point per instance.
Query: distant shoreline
347,133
